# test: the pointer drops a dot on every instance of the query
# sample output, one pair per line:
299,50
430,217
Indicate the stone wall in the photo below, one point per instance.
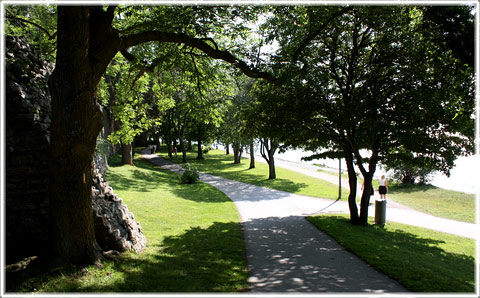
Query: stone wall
27,141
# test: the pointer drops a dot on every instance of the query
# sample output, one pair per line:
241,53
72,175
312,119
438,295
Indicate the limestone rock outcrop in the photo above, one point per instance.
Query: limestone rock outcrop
27,143
115,226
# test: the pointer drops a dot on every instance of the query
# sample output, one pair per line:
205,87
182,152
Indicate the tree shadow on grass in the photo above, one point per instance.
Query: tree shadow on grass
140,181
147,177
222,166
239,174
419,263
200,260
261,180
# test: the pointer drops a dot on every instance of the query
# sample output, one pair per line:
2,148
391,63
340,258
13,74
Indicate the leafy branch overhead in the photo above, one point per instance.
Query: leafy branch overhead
353,79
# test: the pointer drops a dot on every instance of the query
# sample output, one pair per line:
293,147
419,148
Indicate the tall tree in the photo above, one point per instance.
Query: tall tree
131,96
260,121
234,129
351,84
87,40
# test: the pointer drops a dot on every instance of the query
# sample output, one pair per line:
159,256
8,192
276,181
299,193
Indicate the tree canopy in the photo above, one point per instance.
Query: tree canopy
372,80
393,81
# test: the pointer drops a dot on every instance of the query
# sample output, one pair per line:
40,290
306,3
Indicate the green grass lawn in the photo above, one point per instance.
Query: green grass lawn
422,260
194,240
433,200
436,201
425,198
331,173
430,199
217,163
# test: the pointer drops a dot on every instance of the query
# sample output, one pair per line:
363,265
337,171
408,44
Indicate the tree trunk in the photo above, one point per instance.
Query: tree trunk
267,150
365,201
199,150
227,149
189,145
179,128
86,43
352,182
252,156
76,123
168,141
235,156
200,129
271,167
184,151
169,148
175,147
367,180
127,154
237,152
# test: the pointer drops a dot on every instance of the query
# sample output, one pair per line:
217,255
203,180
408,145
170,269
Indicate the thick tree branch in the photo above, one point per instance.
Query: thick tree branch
180,38
111,13
263,148
319,30
142,67
128,56
197,75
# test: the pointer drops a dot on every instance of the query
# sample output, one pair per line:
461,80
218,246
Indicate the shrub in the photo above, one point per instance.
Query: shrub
411,175
190,174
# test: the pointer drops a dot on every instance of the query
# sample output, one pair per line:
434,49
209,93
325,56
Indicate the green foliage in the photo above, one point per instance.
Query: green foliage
189,175
420,259
409,175
133,98
371,77
198,88
38,23
454,26
102,146
218,164
408,168
237,127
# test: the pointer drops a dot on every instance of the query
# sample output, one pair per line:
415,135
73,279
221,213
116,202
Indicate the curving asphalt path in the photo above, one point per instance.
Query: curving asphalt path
285,253
395,211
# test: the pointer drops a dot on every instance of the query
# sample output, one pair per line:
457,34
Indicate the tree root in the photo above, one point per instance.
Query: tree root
20,265
112,255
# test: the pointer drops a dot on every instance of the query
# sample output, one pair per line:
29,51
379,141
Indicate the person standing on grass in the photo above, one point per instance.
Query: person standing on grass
382,187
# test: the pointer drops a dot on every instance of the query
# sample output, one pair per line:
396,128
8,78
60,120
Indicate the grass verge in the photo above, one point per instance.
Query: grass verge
430,199
217,163
435,201
422,260
194,241
425,198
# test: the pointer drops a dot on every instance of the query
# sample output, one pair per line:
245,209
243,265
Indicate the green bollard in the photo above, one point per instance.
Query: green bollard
380,212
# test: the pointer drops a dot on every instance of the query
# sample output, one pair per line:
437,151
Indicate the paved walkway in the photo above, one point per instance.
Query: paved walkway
288,254
285,253
312,171
395,211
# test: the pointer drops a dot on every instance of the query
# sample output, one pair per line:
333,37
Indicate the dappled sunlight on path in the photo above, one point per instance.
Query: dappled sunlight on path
289,254
286,253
